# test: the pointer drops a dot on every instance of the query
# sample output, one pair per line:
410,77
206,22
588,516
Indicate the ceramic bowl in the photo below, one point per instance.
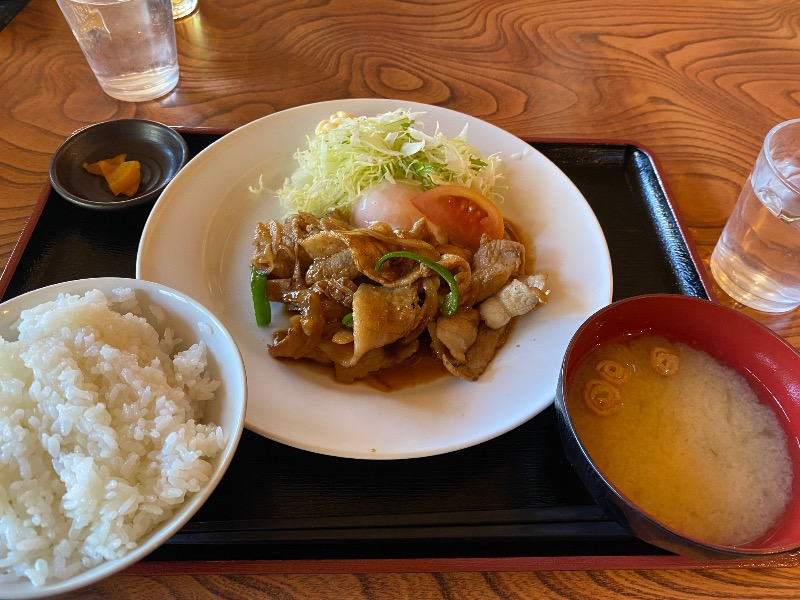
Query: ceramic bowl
765,360
163,307
160,150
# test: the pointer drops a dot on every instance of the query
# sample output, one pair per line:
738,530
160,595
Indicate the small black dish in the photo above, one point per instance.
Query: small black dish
160,149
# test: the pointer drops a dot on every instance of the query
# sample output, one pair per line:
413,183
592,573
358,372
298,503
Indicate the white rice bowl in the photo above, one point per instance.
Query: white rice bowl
114,428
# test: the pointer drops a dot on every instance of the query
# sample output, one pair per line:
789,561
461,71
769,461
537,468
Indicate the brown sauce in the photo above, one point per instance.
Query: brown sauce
420,369
515,234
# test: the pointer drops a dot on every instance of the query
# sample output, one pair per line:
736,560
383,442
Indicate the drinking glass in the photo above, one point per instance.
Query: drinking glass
183,8
129,44
757,258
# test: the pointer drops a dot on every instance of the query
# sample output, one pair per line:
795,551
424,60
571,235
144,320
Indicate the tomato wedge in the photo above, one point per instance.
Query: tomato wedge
462,213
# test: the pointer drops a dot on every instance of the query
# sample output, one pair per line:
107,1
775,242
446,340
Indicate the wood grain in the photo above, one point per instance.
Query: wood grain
698,83
590,585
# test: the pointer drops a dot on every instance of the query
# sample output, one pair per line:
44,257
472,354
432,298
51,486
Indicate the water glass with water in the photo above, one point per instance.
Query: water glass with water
129,44
757,258
183,8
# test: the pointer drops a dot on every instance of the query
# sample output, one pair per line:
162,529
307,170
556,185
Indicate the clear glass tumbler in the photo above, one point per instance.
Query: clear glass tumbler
129,44
183,8
757,258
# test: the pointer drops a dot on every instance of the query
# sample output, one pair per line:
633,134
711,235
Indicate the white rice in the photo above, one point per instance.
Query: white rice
99,434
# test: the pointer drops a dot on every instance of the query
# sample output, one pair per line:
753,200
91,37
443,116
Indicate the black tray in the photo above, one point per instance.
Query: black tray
515,495
9,9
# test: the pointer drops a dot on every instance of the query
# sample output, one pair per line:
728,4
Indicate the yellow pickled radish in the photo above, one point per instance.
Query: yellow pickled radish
97,168
123,176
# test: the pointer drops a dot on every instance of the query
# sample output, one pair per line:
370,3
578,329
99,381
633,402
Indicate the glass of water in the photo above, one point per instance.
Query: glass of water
757,258
183,8
129,44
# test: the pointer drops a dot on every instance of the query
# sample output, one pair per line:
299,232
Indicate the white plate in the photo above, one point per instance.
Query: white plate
198,240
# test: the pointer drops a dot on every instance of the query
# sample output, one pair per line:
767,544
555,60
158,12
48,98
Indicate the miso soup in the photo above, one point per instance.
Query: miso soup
683,437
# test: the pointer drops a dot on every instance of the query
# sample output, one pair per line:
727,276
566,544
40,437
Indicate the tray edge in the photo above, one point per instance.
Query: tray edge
694,255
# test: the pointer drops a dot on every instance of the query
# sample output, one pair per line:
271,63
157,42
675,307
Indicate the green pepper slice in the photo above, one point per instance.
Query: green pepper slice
450,304
258,289
347,320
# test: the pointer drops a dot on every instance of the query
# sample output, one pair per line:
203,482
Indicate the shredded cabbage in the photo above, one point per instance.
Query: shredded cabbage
339,164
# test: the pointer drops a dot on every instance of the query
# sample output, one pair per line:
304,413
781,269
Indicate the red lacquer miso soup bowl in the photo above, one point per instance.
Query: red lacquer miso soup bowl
654,418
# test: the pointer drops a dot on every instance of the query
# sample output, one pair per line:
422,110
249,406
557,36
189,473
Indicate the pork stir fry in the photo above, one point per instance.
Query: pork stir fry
359,311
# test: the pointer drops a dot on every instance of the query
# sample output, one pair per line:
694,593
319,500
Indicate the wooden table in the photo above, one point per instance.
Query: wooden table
698,83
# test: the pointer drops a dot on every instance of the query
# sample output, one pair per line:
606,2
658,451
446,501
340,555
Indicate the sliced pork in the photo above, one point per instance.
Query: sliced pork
360,319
